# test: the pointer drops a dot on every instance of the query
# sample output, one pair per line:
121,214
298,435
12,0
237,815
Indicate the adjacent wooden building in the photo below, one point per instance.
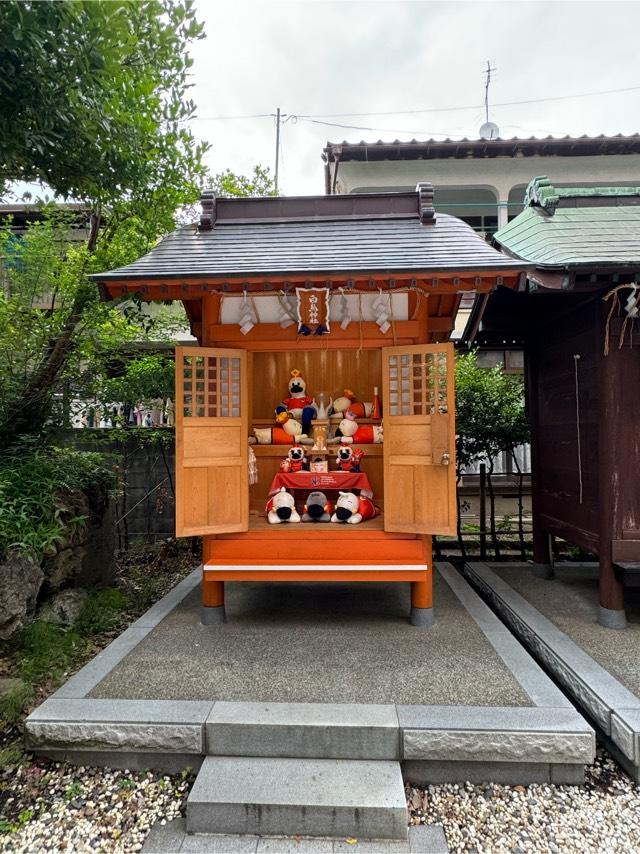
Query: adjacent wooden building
392,274
577,316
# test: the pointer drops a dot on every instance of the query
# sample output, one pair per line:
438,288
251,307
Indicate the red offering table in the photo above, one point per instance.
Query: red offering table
343,480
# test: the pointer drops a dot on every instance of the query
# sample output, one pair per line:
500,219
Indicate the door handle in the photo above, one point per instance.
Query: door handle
446,459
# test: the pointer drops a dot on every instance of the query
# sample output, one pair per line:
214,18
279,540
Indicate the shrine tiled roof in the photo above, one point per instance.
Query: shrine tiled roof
575,227
377,233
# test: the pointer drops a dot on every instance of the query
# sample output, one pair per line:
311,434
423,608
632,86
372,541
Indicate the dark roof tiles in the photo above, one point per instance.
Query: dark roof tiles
316,247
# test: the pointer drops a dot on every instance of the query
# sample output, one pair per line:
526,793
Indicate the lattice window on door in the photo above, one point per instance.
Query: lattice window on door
418,384
211,386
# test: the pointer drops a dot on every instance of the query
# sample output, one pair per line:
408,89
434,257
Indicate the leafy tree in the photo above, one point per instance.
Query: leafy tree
94,95
490,418
143,379
104,88
259,183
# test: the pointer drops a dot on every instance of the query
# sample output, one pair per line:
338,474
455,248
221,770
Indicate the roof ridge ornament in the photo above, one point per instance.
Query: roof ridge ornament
425,202
208,216
541,193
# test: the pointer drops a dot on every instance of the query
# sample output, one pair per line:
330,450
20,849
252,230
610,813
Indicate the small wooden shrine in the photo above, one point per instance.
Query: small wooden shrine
322,302
578,317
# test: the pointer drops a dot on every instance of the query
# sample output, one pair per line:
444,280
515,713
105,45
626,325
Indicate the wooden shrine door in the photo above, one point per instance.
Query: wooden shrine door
419,439
212,482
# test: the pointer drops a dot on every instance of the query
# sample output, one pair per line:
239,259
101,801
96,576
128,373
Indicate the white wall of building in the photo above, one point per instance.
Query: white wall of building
499,174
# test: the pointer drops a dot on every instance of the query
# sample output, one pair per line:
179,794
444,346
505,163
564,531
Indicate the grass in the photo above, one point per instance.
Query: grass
48,651
103,611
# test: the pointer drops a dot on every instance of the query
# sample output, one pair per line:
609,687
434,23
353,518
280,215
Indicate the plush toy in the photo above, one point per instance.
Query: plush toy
317,508
281,507
353,509
341,404
289,432
299,404
349,432
348,458
297,459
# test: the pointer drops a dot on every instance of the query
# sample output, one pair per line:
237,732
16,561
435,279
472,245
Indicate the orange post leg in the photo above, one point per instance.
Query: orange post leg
212,602
422,593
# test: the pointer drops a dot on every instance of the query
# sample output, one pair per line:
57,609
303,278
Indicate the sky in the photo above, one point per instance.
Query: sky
314,58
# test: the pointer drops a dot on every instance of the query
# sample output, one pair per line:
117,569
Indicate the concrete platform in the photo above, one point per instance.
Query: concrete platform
304,644
557,619
326,672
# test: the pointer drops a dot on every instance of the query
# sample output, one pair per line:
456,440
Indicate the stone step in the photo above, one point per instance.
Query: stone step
306,797
304,730
172,837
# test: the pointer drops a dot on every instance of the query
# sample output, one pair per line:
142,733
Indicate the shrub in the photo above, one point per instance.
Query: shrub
33,485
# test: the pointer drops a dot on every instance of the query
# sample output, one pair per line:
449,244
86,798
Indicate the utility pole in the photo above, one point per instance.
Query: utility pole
277,148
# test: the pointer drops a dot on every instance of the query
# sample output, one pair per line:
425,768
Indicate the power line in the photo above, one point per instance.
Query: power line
310,116
378,130
470,106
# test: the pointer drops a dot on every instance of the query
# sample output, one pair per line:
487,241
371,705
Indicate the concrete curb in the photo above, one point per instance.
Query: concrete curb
549,738
614,708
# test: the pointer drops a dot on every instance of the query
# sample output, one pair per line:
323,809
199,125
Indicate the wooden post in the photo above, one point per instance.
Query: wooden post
212,612
542,559
610,417
422,591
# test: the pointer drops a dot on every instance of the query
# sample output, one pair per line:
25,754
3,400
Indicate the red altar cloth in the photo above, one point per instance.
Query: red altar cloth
344,480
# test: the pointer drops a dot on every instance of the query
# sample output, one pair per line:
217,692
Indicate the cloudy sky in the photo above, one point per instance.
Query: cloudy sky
314,58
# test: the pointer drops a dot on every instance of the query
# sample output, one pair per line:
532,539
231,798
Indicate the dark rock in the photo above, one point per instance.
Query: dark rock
66,566
20,582
65,607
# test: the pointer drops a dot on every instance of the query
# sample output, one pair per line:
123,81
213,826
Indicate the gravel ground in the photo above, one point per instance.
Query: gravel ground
54,807
60,808
601,816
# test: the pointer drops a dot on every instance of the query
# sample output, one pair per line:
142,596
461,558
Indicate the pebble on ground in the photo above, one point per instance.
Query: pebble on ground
601,817
48,807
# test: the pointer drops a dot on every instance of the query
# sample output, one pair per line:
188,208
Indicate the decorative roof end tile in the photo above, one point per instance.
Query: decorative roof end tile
208,216
425,203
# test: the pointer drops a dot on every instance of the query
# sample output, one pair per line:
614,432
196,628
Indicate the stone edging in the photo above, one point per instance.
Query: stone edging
614,708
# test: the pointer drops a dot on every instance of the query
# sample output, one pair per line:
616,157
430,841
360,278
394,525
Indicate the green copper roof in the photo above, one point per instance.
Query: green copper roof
575,227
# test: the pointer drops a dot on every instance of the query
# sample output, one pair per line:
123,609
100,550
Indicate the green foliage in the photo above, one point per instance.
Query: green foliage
144,379
34,488
10,755
490,414
259,183
94,95
73,791
102,612
94,102
24,817
12,704
48,651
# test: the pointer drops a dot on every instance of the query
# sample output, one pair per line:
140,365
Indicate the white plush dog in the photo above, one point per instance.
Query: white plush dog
353,509
281,507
